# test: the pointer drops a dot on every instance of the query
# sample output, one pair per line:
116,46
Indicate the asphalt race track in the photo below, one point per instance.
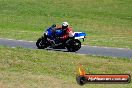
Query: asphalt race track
90,50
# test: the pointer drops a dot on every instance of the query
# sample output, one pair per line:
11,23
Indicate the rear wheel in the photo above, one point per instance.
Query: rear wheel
73,45
41,43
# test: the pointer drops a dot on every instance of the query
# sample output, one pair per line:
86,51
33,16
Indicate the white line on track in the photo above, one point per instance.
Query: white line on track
108,47
16,40
13,47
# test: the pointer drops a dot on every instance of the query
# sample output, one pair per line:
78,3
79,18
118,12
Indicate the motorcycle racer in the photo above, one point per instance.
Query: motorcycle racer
61,37
66,31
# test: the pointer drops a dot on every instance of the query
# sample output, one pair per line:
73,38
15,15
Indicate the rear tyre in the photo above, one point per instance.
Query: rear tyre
41,43
73,45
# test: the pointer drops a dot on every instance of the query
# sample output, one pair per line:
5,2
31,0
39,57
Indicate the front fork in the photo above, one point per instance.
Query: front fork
44,38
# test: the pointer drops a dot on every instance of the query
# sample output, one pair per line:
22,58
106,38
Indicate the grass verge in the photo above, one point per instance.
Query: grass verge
41,68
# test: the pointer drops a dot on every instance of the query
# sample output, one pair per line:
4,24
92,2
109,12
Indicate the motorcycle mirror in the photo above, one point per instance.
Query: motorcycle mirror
54,25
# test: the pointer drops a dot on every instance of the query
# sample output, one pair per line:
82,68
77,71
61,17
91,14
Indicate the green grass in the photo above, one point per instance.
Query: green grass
29,68
108,22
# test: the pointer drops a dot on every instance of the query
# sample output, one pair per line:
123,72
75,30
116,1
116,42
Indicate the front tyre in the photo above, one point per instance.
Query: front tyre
41,43
73,45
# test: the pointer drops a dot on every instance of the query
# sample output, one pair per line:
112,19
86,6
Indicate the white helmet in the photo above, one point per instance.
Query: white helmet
65,24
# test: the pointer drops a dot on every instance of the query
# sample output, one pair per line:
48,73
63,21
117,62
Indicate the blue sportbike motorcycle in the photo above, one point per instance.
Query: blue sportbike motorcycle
51,39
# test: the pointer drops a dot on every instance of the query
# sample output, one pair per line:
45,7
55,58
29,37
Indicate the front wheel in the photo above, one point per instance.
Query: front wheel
73,45
41,43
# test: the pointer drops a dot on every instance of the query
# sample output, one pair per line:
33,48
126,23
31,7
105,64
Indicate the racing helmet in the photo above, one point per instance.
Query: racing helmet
65,25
